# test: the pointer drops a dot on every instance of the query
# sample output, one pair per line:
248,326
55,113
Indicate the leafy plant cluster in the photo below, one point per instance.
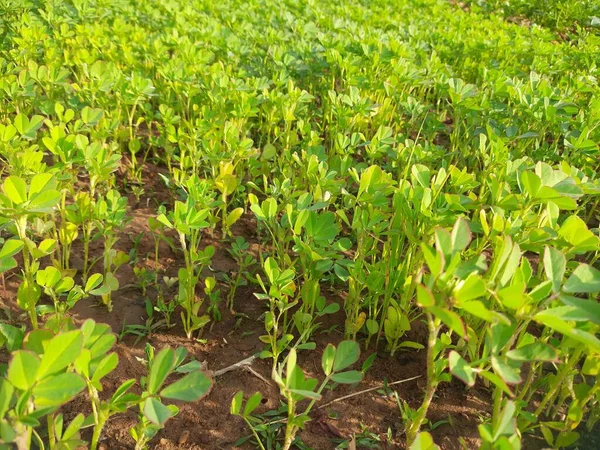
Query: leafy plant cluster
559,15
399,162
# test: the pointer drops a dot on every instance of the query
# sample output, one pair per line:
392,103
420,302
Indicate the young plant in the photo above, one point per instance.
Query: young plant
110,218
281,288
295,387
19,202
244,260
55,285
164,306
188,220
214,298
153,413
251,404
37,383
227,182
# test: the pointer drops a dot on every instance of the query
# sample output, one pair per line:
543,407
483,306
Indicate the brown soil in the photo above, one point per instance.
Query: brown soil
208,421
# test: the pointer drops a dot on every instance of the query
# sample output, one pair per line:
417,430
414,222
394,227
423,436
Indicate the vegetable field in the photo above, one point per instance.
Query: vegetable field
299,224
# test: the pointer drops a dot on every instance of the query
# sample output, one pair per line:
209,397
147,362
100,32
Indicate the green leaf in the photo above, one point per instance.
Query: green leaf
22,369
372,326
13,336
461,369
111,281
102,345
506,372
306,394
27,127
507,422
566,439
163,219
372,177
269,208
349,377
226,183
236,403
73,427
538,351
575,232
590,309
530,183
443,242
497,381
591,366
93,282
57,390
11,248
252,403
41,182
15,189
156,412
190,388
327,359
461,235
258,212
162,365
44,202
104,367
423,441
269,152
555,264
37,340
6,393
234,216
425,298
7,264
121,391
568,329
450,319
322,227
48,277
191,366
60,351
547,433
478,309
471,288
82,363
91,116
584,279
346,354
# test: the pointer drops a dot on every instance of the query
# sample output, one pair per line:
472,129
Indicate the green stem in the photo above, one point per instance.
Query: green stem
51,432
432,383
86,250
290,430
558,380
98,427
497,407
21,224
262,447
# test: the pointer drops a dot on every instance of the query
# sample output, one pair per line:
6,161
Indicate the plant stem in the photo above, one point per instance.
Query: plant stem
262,447
51,432
290,430
97,432
432,383
557,382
